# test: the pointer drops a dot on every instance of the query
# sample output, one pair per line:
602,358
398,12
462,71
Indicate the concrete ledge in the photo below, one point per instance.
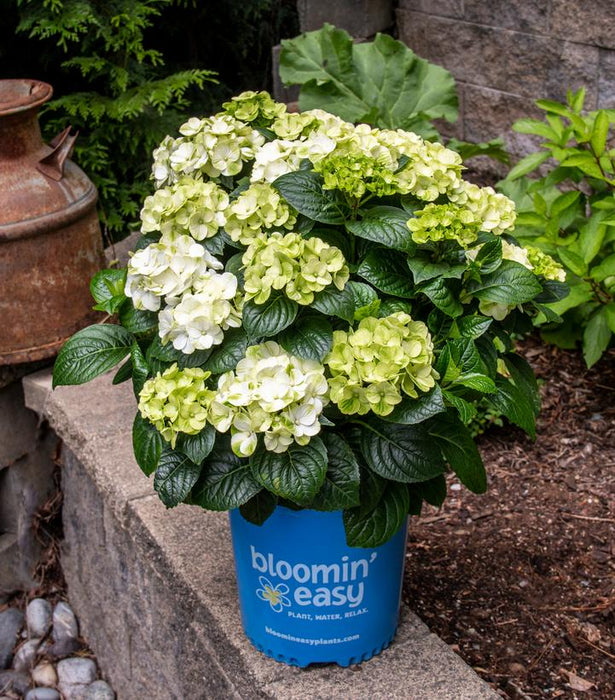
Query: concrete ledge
155,589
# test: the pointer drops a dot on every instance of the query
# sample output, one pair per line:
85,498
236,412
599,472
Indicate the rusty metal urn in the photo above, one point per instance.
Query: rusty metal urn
50,242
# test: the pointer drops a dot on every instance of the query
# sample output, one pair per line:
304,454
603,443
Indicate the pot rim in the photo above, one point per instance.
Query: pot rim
37,95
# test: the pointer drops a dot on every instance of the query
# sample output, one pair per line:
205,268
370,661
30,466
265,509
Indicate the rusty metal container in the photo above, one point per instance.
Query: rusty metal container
50,242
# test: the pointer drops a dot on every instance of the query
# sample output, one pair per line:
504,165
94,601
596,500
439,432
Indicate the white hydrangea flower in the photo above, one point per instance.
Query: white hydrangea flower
495,211
270,392
166,269
274,159
198,320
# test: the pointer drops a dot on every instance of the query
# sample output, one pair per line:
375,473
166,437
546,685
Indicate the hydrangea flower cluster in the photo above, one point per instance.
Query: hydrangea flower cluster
259,208
473,209
198,320
218,145
372,365
299,266
176,401
273,393
543,264
257,108
166,269
188,206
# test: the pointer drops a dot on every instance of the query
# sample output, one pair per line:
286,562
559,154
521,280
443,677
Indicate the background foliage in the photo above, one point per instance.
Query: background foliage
127,72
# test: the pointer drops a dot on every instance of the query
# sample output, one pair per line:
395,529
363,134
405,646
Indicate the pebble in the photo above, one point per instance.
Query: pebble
26,655
64,623
38,617
76,671
11,621
99,690
65,647
45,674
42,694
14,680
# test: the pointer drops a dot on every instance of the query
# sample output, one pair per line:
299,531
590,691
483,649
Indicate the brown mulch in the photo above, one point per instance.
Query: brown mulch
521,580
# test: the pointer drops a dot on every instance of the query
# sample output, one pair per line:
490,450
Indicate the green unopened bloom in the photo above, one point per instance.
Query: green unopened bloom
258,108
439,222
373,364
257,209
299,266
176,401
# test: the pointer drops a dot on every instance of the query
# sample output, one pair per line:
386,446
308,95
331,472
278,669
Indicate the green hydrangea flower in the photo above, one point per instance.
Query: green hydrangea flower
371,365
273,393
299,266
176,401
355,174
258,108
259,208
543,264
188,206
439,222
493,211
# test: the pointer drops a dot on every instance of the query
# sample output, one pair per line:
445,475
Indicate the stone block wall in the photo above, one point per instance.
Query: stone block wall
505,54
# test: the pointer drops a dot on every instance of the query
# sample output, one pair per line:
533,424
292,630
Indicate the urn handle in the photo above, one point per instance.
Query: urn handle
52,165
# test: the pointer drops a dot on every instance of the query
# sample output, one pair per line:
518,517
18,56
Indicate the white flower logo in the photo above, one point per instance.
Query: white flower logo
274,595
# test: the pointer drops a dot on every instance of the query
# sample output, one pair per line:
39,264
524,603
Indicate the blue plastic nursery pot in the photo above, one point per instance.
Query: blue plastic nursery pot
307,597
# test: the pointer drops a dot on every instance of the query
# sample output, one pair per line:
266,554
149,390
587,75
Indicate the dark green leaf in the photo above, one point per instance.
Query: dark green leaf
226,356
311,338
335,303
400,452
489,257
375,527
386,270
515,405
393,306
259,507
385,225
476,381
136,321
434,490
442,297
473,326
341,485
460,452
265,320
91,352
140,369
303,190
175,476
124,373
510,284
147,444
596,337
411,411
107,288
296,474
226,481
198,446
423,269
523,377
465,409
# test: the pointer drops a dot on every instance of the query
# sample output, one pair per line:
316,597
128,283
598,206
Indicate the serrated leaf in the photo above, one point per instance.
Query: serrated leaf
175,476
465,409
296,475
373,528
90,353
386,270
259,507
473,326
515,405
333,302
489,257
596,337
393,306
226,356
270,318
197,447
442,297
226,481
140,368
423,269
412,411
340,488
147,444
366,300
385,225
381,82
460,452
311,338
400,452
304,191
476,381
107,289
511,283
135,320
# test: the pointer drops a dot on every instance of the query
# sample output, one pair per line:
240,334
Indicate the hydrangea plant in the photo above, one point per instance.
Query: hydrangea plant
312,312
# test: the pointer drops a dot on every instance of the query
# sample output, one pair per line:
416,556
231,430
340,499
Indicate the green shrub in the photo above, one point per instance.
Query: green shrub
569,212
